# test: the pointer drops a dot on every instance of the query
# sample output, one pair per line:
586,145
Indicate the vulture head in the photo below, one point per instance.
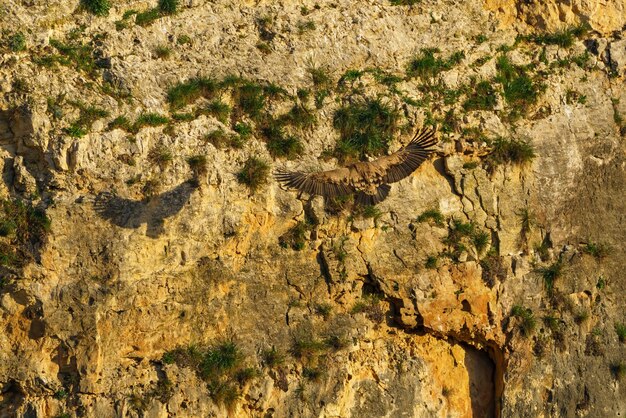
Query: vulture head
368,181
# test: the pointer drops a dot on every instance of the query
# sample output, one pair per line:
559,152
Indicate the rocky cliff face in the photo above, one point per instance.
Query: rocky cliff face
143,273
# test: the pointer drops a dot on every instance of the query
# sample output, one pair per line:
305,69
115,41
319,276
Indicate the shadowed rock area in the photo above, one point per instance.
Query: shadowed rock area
488,283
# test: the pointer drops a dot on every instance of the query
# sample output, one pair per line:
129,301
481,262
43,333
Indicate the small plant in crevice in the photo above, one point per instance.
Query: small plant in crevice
620,330
527,221
618,370
120,122
552,322
306,346
160,156
183,117
299,116
189,91
168,6
462,234
221,139
431,262
551,273
482,97
243,129
526,320
520,90
265,26
264,47
366,127
323,309
313,374
564,37
254,173
87,116
370,306
597,250
24,229
432,216
218,109
543,250
163,51
581,315
222,366
198,164
481,240
295,237
149,119
60,394
73,53
305,26
183,40
272,358
572,97
426,66
279,143
367,212
494,268
322,85
509,151
96,7
16,42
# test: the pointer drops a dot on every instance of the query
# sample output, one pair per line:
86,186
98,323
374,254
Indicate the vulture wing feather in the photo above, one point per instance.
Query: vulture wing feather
403,162
331,183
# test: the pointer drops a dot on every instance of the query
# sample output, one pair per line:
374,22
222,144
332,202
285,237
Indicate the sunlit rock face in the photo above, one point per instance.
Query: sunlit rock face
145,272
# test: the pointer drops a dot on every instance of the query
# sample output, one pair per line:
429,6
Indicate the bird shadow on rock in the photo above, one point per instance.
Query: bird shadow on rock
153,210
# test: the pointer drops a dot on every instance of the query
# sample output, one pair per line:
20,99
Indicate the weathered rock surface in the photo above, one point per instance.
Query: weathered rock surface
381,315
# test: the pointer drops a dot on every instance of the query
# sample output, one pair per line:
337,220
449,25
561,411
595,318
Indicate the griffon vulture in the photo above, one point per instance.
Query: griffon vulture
368,181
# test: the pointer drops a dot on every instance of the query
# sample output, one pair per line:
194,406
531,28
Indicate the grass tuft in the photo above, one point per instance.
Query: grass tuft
564,37
254,173
96,7
426,66
160,156
168,7
150,119
188,92
163,52
272,358
510,151
520,90
147,17
24,228
596,250
198,164
366,128
219,110
432,215
527,321
431,262
483,97
295,237
551,273
17,42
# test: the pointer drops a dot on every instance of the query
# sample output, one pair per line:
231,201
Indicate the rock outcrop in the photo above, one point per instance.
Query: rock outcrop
143,272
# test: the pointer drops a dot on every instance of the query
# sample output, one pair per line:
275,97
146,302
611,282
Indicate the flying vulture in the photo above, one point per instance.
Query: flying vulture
368,181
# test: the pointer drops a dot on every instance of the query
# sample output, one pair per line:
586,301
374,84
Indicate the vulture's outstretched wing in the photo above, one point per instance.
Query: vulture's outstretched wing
405,161
332,183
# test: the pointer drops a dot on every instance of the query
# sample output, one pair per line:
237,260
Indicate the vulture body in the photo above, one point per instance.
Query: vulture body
368,181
